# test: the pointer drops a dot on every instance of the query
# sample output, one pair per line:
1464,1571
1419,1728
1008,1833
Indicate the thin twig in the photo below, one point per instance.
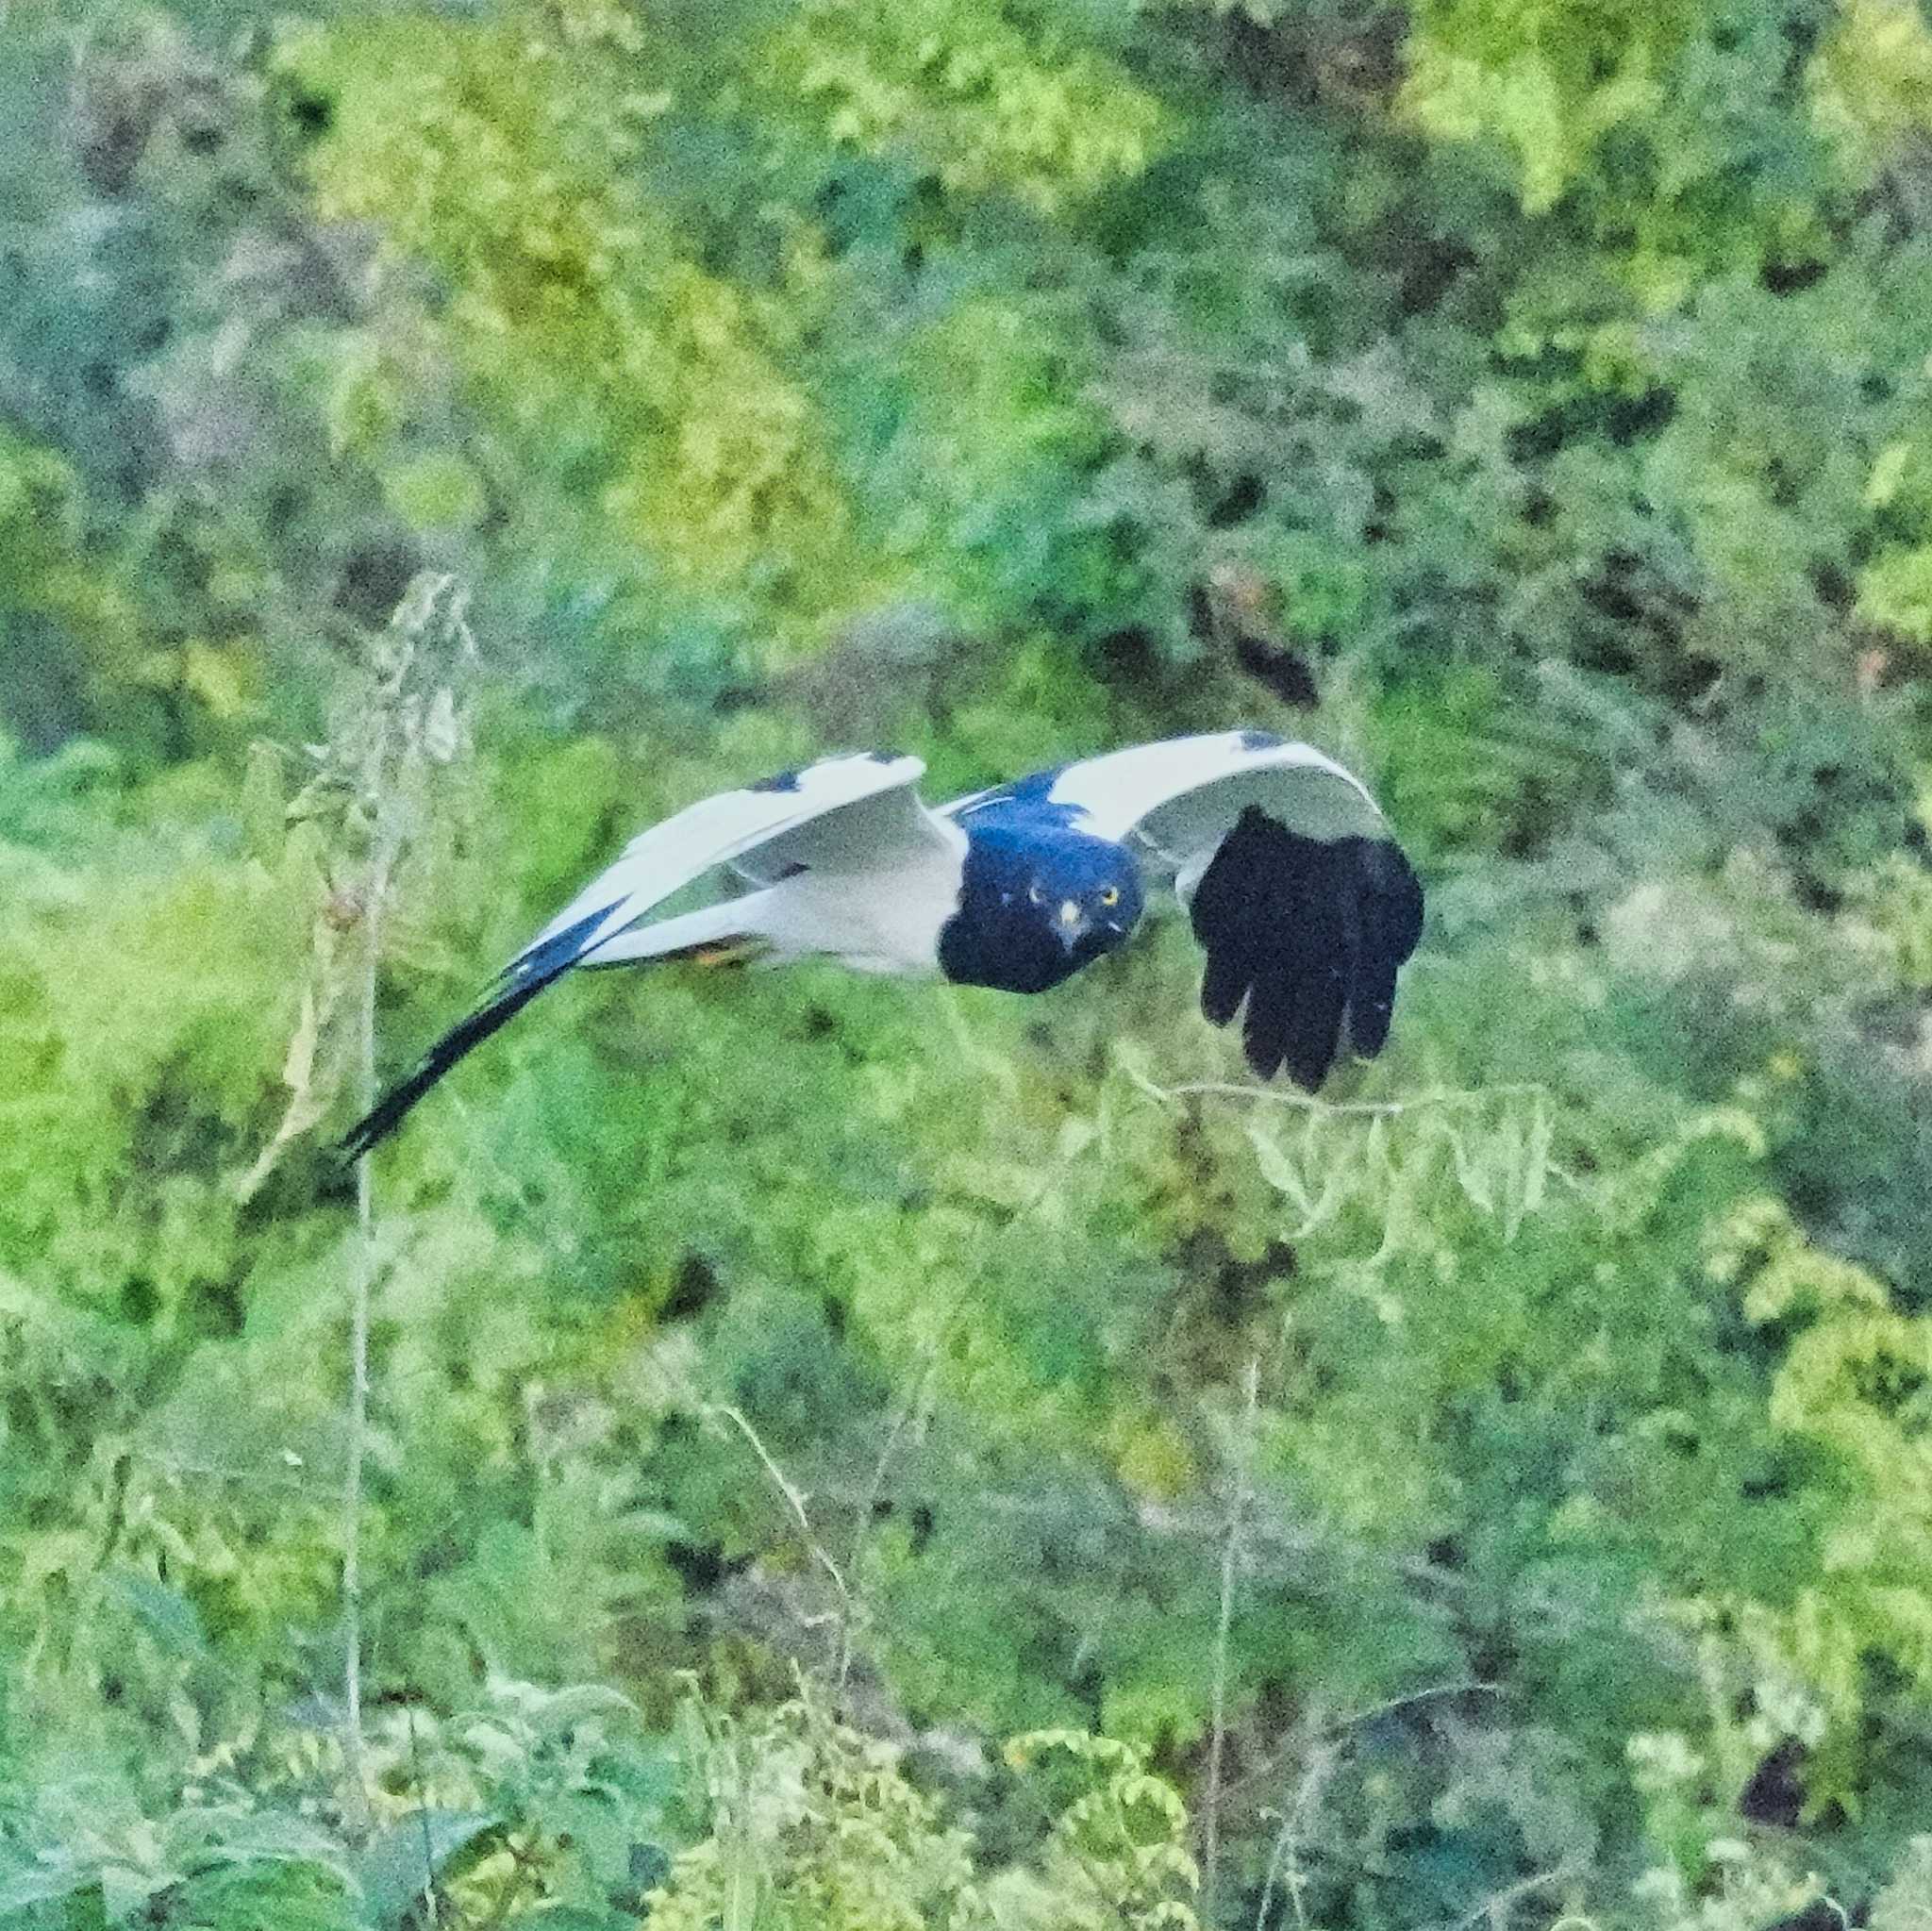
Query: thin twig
1469,1685
1284,1863
387,846
422,1818
861,1524
1325,1744
396,731
795,1498
1497,1902
1341,1109
1230,1563
933,1349
1337,1729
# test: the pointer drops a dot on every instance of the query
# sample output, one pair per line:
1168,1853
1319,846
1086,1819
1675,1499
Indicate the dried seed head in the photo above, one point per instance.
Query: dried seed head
342,909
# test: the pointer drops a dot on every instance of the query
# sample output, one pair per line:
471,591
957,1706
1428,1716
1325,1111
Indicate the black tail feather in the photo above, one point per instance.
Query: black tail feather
519,985
387,1114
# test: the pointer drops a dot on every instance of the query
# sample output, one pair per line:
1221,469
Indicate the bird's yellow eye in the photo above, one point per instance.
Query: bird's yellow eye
1111,896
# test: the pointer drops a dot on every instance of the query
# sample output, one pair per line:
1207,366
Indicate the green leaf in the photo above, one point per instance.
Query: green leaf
165,1613
231,1833
437,492
33,1886
402,1864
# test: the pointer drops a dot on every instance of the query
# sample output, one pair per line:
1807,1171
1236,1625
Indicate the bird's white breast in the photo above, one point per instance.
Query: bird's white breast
885,919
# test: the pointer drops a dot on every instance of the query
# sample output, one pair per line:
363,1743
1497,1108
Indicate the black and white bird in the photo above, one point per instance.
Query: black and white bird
1302,900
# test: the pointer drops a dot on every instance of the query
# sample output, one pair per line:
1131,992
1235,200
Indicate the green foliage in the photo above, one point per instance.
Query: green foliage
809,1823
806,1823
970,93
1851,1381
1549,82
1124,1836
968,376
557,1793
52,603
585,329
1872,81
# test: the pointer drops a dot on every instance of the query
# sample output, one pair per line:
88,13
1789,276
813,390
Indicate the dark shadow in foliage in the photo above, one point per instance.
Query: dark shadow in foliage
1775,1795
1824,1914
1233,610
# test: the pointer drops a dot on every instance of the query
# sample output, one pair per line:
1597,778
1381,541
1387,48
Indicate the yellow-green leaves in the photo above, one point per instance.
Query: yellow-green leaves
435,490
811,1825
164,967
733,480
1852,1383
510,155
1546,78
1895,586
1896,591
966,91
1126,1833
45,571
1871,82
501,153
1657,131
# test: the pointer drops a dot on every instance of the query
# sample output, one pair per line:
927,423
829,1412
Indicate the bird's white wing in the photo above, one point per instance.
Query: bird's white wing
1295,887
845,813
1178,799
852,814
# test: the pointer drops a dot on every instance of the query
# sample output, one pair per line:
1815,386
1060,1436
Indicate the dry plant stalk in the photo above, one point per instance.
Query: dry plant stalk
412,723
1231,1566
365,802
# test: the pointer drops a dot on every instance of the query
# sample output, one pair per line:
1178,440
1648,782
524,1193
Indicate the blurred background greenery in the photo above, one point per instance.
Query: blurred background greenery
1505,1503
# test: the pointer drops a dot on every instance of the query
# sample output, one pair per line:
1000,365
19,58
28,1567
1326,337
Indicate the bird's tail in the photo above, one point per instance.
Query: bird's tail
707,937
516,986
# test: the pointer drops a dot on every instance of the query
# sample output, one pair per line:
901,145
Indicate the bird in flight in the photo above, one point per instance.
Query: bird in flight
1298,894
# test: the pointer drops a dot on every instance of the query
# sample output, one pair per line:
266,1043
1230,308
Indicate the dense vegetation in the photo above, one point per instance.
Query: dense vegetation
850,1455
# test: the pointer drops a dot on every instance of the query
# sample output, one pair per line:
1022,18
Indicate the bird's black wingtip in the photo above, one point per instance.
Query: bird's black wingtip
1305,937
389,1111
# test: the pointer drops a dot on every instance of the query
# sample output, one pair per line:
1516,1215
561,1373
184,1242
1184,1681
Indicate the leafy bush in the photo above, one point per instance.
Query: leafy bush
1494,1494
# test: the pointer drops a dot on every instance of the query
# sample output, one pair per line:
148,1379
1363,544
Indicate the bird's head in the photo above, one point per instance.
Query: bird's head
1086,892
1037,904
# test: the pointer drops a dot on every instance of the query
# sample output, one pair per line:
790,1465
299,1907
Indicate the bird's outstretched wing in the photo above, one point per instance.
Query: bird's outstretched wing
1298,893
834,811
841,812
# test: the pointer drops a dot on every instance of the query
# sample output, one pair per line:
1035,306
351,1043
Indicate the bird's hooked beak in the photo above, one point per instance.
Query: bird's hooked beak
1073,924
